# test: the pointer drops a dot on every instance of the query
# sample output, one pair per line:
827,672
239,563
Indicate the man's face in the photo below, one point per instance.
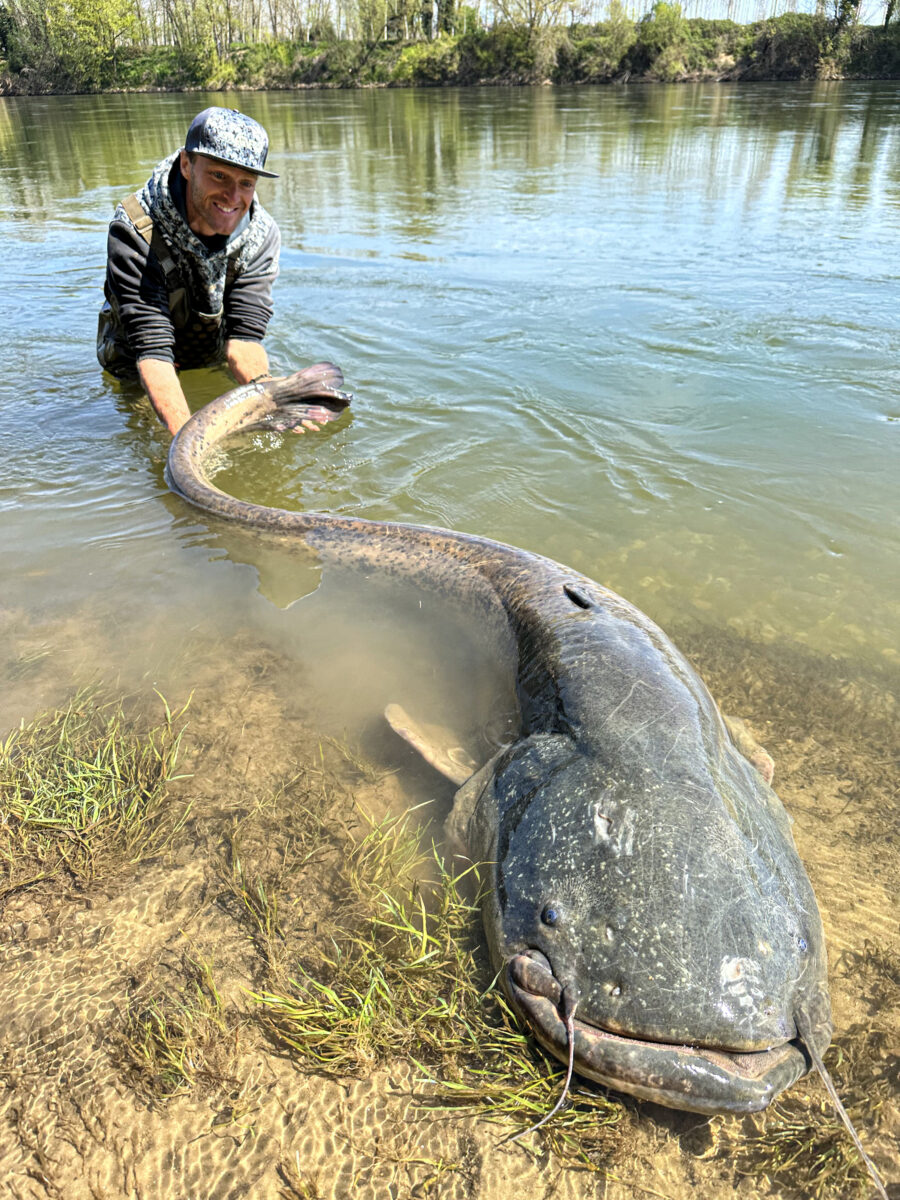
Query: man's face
217,195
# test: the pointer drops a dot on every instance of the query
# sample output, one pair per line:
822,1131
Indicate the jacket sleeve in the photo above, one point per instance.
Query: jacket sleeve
248,302
135,279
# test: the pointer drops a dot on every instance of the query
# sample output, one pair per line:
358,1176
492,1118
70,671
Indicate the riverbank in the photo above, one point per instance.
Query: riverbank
662,47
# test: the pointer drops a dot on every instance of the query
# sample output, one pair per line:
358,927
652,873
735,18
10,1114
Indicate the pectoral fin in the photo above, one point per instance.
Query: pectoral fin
435,743
750,747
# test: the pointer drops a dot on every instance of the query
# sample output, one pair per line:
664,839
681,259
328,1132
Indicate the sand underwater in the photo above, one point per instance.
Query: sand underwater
135,1061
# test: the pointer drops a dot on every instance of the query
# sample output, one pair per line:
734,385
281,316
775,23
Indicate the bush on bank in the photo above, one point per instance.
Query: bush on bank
664,45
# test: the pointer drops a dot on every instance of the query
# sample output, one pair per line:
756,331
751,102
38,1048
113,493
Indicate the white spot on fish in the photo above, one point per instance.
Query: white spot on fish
731,971
741,979
625,840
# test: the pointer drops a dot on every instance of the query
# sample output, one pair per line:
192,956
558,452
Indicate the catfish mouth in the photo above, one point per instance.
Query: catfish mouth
697,1079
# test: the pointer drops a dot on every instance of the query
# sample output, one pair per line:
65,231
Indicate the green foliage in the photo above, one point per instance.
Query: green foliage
78,40
428,62
601,54
669,47
467,19
505,53
786,47
82,45
875,53
663,28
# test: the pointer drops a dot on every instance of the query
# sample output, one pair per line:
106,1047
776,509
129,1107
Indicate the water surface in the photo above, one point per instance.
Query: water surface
648,331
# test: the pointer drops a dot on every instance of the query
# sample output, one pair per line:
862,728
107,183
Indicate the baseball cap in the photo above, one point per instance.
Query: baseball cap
231,137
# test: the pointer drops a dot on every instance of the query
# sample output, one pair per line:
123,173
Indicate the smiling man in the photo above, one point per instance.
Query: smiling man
191,260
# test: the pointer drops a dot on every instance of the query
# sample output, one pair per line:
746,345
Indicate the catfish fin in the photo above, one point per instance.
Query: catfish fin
295,412
457,827
747,744
435,744
312,394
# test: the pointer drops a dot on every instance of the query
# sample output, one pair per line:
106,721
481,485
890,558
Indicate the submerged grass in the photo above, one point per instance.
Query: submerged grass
402,973
174,1043
81,784
802,1146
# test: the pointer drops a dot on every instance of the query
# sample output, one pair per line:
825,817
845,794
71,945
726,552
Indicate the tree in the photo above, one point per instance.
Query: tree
532,13
78,39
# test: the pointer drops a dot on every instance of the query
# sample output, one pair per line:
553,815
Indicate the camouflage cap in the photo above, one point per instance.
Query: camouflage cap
231,137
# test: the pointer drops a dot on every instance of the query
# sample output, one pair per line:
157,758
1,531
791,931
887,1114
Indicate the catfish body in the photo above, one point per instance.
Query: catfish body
641,868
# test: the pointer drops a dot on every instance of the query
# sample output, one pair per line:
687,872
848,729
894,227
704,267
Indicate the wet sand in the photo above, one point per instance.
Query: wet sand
78,1119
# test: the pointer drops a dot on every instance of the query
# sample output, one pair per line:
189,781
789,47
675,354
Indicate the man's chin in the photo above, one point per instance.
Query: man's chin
217,224
224,228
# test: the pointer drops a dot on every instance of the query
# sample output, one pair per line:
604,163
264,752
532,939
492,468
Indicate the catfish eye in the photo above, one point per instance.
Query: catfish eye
801,942
550,915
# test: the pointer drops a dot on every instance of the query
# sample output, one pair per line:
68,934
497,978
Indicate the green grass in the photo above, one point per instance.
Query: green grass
26,662
801,1145
401,973
173,1043
81,786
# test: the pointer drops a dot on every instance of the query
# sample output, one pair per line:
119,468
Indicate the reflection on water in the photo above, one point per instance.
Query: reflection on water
411,152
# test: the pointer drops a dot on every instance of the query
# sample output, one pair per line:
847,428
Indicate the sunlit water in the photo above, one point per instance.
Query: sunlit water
650,332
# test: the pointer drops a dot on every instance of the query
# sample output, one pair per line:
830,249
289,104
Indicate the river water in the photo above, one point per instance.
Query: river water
650,332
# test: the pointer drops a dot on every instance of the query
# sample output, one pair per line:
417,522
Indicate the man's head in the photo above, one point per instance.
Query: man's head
224,154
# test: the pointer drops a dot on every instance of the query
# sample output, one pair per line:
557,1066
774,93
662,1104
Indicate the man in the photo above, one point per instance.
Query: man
191,260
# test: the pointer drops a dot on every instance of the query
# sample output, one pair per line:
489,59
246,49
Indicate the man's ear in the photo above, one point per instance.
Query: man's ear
185,164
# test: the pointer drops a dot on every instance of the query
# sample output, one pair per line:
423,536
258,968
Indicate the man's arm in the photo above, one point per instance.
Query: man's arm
159,380
246,360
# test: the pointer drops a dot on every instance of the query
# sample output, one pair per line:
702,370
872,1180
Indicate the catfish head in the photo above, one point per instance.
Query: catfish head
667,907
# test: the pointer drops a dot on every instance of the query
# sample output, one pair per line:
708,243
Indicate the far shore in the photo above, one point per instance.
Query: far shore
662,47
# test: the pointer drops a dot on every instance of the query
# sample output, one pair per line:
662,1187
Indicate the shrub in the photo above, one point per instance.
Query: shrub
601,54
428,62
785,47
505,53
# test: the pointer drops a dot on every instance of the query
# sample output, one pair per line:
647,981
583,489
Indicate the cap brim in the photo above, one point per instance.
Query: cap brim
240,166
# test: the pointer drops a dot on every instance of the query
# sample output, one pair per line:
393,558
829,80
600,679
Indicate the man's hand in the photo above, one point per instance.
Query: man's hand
248,361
